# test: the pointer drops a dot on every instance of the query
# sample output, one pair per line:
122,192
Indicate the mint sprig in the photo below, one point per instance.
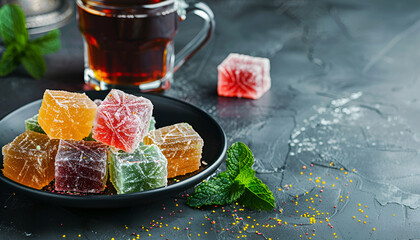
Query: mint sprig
19,48
257,195
239,157
13,25
216,190
237,183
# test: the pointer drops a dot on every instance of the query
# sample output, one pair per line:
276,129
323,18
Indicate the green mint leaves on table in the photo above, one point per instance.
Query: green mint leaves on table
237,183
19,48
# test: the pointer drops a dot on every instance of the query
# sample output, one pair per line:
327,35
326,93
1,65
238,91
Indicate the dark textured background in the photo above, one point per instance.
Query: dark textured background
344,98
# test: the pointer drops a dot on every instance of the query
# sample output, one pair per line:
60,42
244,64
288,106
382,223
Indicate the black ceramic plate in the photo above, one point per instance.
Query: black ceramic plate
166,111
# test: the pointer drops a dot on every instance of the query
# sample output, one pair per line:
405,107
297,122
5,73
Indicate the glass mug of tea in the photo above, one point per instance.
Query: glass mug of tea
129,43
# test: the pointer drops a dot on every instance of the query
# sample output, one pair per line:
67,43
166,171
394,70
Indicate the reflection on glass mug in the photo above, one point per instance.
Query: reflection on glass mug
129,43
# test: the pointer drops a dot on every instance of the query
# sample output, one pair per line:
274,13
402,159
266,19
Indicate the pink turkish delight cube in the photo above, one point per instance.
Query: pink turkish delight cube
81,166
243,76
122,120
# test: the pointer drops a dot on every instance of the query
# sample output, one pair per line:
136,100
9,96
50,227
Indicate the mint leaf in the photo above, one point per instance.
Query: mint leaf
9,60
238,182
19,49
49,43
33,61
245,176
238,187
257,195
238,157
214,191
13,25
236,191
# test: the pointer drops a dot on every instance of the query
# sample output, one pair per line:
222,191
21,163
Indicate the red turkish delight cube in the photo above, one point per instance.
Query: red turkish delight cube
243,76
122,120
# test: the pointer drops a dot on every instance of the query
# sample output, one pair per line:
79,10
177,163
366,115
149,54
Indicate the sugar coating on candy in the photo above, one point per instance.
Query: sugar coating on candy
29,159
243,76
144,169
181,145
81,166
33,125
122,120
66,115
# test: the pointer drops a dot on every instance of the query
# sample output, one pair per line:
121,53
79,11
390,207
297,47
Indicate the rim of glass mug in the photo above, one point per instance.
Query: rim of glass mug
128,8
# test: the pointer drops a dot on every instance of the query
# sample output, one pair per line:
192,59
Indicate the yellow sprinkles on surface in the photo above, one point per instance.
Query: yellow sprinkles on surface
244,226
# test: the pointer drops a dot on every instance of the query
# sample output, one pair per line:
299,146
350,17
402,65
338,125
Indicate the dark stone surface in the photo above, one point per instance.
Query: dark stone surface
344,98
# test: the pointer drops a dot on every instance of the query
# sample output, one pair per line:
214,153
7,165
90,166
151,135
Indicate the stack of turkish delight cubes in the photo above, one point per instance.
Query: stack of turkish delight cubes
77,141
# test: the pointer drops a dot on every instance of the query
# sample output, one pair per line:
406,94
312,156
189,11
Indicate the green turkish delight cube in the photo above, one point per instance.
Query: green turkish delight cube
89,138
144,169
152,124
33,125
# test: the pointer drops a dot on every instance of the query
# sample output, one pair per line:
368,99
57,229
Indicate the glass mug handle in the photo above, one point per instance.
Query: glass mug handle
202,10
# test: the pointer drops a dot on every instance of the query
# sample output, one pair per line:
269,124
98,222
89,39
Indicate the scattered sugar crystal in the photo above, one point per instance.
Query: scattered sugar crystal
29,159
144,169
81,166
181,145
243,76
122,120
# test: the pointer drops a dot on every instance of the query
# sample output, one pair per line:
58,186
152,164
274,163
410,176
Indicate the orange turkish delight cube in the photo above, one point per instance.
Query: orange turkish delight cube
66,115
181,145
29,159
